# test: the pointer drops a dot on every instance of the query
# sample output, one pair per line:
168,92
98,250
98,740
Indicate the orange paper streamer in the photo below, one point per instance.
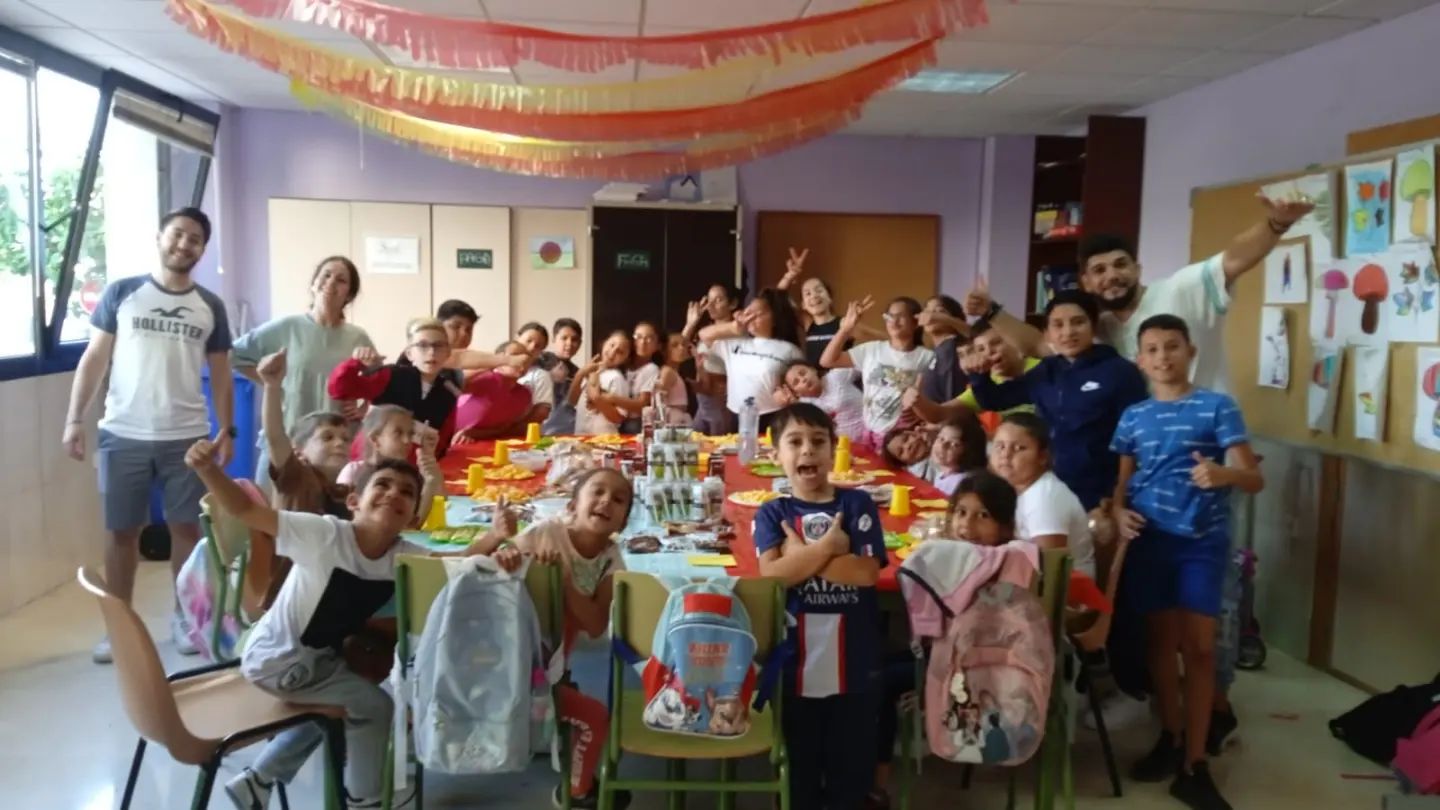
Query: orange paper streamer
464,43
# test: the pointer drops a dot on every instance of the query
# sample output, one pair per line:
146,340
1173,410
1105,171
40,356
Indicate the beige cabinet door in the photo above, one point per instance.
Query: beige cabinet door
390,243
302,232
462,233
547,294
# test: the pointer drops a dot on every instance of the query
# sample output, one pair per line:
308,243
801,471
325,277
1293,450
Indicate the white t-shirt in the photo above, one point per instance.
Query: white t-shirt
542,387
592,422
642,380
887,372
843,401
163,340
1049,507
753,367
330,592
585,572
1195,293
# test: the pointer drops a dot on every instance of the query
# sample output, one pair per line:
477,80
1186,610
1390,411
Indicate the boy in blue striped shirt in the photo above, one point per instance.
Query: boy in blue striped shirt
1181,452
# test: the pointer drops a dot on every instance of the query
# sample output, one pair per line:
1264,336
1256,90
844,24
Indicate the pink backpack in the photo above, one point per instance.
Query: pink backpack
987,685
1417,758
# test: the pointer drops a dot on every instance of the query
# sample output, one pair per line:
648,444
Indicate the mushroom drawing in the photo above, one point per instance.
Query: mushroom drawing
1430,386
1371,286
1417,186
1333,281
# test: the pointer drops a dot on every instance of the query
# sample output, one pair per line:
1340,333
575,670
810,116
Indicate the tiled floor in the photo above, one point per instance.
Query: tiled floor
65,743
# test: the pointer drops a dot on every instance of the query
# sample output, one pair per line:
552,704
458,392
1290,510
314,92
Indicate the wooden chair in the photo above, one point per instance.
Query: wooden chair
635,611
1053,758
418,581
1092,640
203,714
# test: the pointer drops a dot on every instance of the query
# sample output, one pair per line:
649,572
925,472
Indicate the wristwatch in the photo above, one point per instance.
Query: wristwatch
994,310
231,432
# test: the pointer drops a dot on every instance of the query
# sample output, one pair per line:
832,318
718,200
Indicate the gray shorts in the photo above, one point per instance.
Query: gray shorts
129,469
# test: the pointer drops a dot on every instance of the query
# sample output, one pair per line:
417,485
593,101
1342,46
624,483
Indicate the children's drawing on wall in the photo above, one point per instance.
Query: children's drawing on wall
1369,287
1412,308
1427,398
1318,225
1287,273
1367,207
1415,195
1274,348
1322,391
1331,301
1372,381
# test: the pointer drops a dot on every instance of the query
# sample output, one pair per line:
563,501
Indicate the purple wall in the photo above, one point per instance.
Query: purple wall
266,154
1005,221
1279,116
875,175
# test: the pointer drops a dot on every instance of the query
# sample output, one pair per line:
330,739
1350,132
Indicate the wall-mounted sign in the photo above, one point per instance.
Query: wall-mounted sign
475,259
392,255
552,253
632,260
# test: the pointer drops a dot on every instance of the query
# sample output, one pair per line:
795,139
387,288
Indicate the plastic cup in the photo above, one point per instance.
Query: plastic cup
502,453
435,519
842,460
843,444
532,433
474,477
900,500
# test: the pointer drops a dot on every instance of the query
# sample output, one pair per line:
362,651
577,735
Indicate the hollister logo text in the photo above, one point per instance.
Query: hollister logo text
161,321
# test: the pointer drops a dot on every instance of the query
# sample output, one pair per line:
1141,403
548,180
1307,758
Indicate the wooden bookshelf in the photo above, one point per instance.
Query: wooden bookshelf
1101,170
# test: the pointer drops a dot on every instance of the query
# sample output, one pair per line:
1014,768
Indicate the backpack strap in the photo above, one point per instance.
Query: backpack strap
925,586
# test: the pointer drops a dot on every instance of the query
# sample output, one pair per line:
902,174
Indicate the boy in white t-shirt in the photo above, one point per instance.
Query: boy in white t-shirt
343,572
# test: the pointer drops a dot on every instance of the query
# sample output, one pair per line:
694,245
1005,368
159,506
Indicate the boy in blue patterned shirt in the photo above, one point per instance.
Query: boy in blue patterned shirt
1181,452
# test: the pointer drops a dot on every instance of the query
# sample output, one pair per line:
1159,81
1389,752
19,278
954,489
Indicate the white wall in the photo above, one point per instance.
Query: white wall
50,518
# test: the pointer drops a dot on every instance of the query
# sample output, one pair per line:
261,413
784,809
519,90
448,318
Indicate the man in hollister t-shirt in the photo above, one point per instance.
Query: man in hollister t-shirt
828,547
153,335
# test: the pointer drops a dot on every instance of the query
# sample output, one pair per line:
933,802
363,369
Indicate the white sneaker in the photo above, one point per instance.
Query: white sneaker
1120,711
180,632
401,799
248,791
100,653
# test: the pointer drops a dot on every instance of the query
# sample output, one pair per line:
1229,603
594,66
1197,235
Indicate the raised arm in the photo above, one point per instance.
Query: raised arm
1021,335
271,373
227,494
1254,243
993,396
360,377
835,354
474,360
722,331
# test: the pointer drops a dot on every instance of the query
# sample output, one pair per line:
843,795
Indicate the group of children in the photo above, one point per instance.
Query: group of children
1026,450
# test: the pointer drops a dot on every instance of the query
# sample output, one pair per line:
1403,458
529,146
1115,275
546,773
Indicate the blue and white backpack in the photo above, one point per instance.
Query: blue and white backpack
701,676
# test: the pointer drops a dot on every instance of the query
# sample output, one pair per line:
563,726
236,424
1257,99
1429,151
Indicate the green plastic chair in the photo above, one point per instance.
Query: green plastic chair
1053,764
418,581
634,612
227,555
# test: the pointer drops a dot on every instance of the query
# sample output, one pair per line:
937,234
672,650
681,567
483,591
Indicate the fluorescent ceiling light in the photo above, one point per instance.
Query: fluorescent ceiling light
956,81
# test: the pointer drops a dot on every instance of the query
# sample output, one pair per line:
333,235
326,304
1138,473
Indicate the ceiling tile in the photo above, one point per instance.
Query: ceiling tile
1266,6
175,44
1043,24
620,12
712,14
1299,33
968,54
163,79
1064,84
1215,64
74,41
1373,9
1137,61
15,13
1185,29
110,15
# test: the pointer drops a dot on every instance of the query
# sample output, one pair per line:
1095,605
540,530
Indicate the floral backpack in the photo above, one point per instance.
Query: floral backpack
987,684
208,590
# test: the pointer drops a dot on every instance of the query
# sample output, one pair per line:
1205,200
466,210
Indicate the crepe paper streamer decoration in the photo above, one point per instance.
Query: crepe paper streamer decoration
517,156
469,44
602,112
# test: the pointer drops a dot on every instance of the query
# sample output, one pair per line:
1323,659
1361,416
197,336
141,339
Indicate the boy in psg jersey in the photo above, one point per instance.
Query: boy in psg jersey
828,547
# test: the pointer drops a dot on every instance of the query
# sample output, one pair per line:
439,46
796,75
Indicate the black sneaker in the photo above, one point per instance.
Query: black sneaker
1222,725
877,799
590,800
1197,790
1161,763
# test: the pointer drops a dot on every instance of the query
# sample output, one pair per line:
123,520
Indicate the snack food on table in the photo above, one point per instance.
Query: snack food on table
712,545
753,497
492,492
509,472
850,479
643,544
458,534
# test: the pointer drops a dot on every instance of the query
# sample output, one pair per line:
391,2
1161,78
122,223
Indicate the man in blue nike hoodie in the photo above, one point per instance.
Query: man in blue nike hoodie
1080,391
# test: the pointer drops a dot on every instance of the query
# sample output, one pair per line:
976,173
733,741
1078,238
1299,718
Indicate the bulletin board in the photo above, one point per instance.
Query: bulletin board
1217,215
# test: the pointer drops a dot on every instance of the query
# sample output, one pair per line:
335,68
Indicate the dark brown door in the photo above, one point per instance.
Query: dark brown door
628,282
699,253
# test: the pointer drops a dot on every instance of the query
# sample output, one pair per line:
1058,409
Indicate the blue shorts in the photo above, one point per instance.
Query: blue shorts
1169,572
128,470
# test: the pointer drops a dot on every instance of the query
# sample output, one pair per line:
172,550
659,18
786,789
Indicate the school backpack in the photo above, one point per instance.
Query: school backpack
987,684
1417,757
208,592
701,676
1373,728
477,663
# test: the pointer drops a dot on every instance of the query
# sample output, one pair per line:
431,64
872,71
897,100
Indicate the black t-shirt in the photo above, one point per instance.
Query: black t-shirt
818,336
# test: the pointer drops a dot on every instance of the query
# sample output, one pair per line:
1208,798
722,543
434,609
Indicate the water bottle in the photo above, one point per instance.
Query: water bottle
749,431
